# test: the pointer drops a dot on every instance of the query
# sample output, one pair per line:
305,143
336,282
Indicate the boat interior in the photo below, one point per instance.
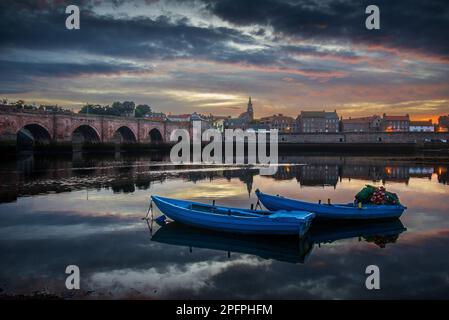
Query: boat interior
226,211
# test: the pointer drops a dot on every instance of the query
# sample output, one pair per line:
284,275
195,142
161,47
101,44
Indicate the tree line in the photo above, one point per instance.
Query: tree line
119,109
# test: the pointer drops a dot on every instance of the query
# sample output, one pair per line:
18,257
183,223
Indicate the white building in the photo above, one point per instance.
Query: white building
179,117
421,126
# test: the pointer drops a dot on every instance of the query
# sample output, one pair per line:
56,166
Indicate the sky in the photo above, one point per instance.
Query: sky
209,56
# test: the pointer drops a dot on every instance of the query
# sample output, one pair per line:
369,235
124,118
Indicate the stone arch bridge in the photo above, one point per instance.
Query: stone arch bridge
47,127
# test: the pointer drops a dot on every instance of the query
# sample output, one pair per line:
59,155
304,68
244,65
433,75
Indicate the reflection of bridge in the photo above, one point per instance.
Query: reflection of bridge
40,175
45,127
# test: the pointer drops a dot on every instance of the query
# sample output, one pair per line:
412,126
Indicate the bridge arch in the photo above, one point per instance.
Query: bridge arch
85,133
32,134
155,136
125,134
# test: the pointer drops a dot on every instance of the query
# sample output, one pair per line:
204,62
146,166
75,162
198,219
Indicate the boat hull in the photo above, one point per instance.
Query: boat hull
246,222
332,211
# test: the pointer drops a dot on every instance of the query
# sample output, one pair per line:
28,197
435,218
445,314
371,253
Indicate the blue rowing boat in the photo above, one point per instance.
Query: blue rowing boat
234,219
348,211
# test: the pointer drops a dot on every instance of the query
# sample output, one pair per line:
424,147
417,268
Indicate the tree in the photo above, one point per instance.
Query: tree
19,103
92,109
117,109
124,108
142,110
128,108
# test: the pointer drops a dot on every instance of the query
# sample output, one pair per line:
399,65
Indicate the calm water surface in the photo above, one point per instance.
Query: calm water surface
87,211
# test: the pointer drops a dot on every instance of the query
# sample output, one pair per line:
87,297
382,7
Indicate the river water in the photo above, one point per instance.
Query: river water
87,211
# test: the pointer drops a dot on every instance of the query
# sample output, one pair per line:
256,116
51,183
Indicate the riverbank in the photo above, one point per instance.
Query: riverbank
354,148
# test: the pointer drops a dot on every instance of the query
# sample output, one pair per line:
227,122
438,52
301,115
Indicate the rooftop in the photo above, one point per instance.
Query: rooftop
319,114
360,120
421,123
397,118
276,116
179,116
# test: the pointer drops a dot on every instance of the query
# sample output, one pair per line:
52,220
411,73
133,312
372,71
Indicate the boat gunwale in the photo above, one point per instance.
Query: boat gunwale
247,213
367,207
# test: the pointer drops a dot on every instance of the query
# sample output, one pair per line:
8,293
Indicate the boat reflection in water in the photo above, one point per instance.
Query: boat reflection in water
283,248
286,249
380,232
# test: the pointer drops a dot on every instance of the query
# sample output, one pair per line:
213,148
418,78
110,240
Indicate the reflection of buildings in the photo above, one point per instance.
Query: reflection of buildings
318,175
322,171
421,172
34,175
195,176
310,174
245,175
373,173
443,175
287,172
396,174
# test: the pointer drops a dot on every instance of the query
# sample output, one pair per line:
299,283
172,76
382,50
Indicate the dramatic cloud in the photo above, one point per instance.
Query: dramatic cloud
288,55
413,25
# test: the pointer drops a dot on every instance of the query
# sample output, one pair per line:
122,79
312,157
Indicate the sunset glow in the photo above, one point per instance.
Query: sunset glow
207,56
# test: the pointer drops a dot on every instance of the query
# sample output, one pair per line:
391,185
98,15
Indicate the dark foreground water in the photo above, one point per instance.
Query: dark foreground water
87,212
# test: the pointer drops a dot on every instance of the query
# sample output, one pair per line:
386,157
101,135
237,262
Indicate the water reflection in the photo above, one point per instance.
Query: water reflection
380,233
285,249
87,211
37,175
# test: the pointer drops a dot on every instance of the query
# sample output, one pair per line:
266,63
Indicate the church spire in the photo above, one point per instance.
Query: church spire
250,110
